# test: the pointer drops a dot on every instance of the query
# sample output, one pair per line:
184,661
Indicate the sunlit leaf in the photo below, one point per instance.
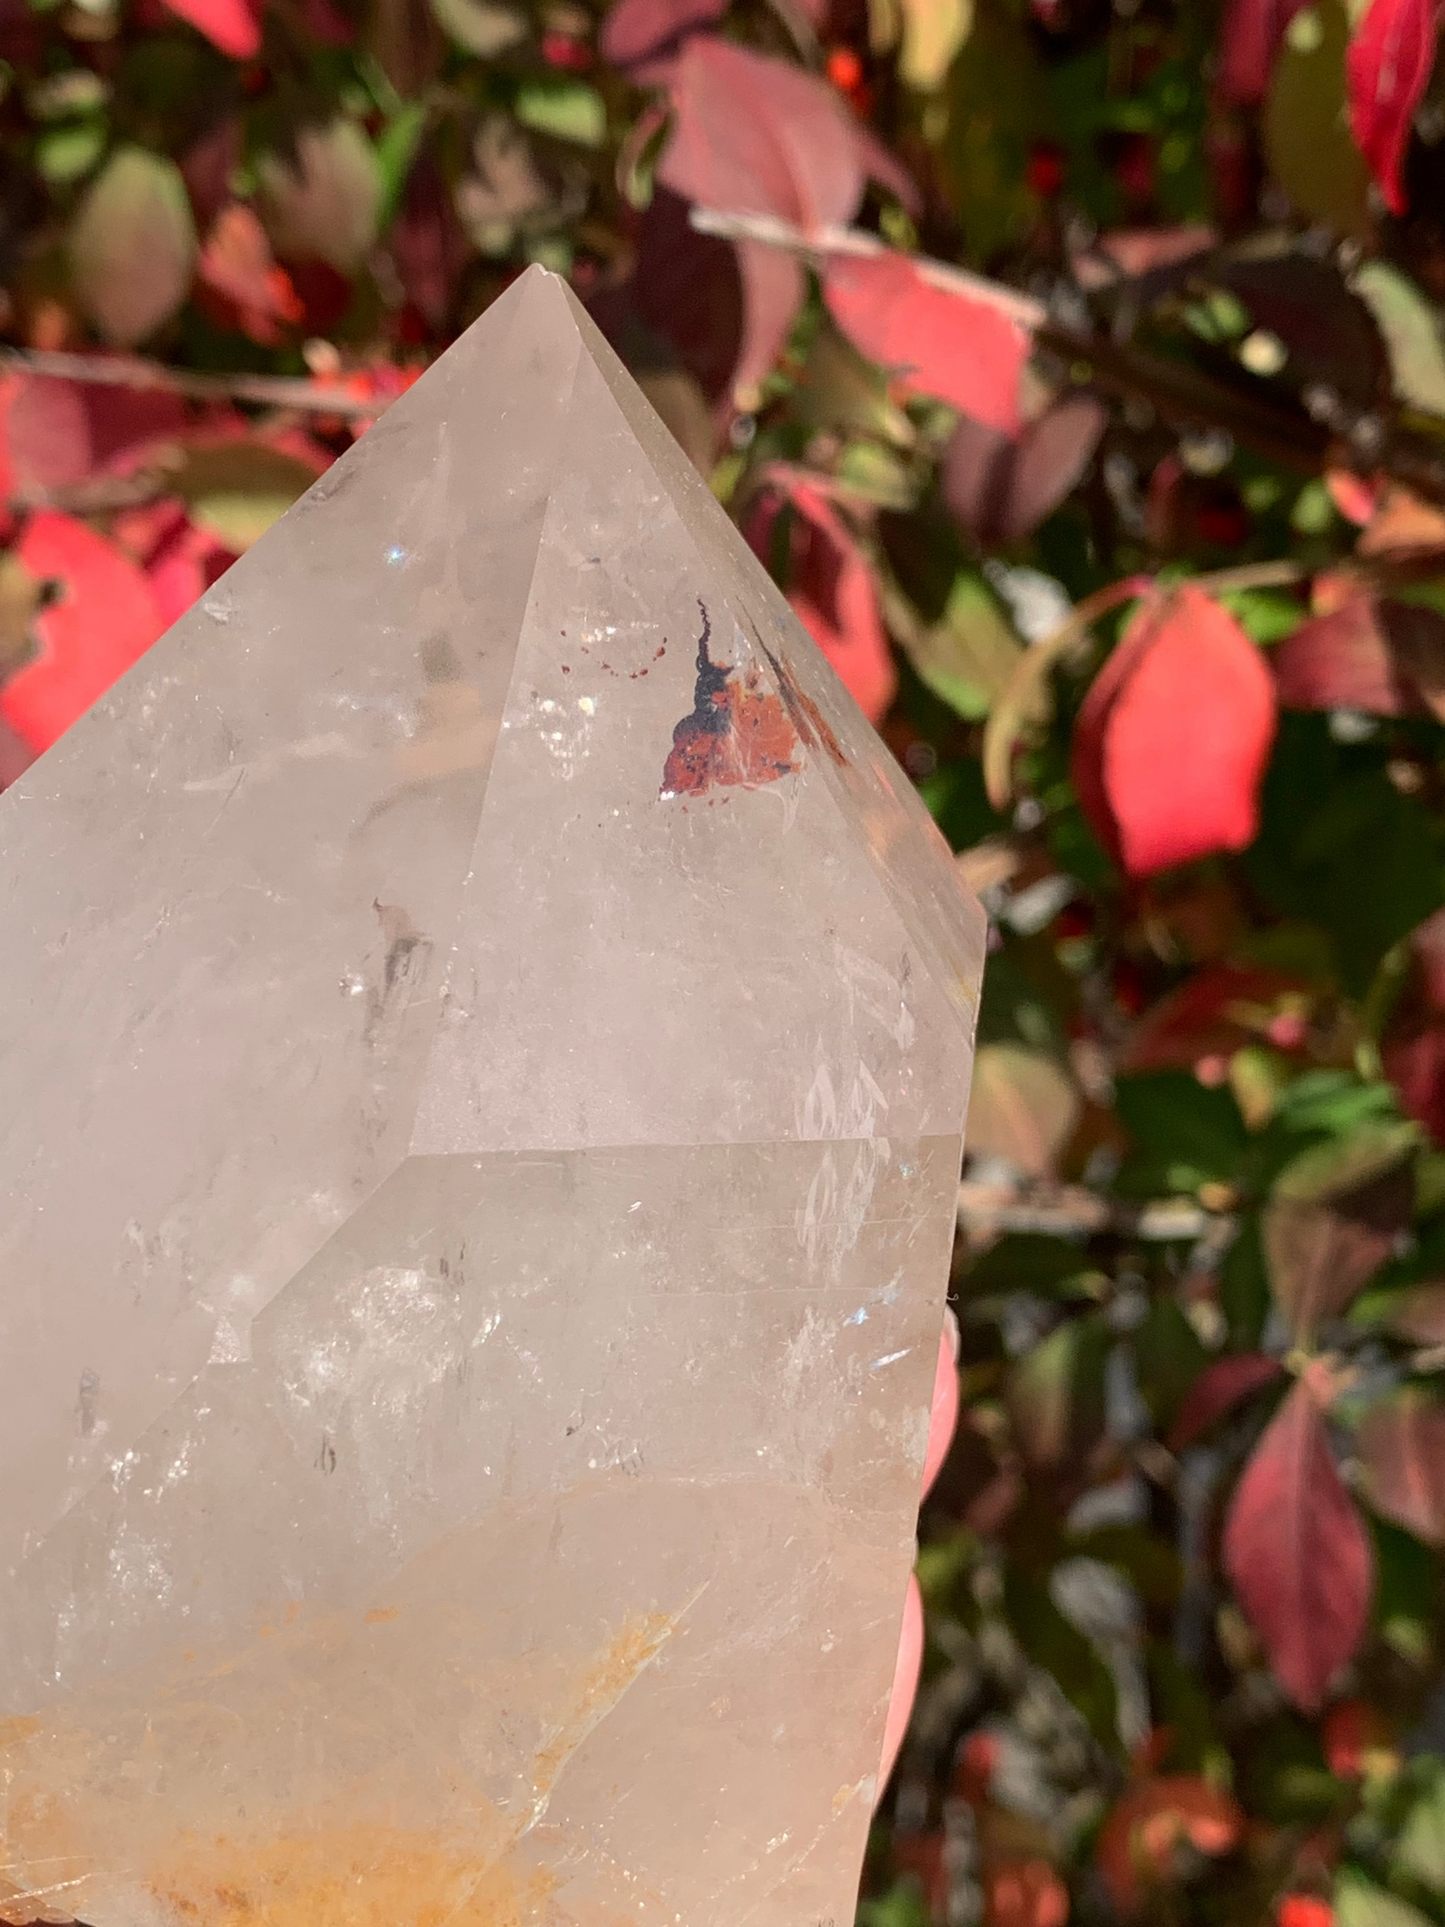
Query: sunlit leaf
1172,740
1023,1106
1387,69
940,343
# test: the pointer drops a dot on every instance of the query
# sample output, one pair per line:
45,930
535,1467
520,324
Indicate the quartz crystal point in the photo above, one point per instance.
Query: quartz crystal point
486,1033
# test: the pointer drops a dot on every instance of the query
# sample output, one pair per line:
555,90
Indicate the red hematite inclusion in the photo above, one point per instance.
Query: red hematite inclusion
738,732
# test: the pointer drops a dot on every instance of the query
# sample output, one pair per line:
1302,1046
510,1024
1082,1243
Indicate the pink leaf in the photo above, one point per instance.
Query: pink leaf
1251,37
831,589
237,264
1387,68
1174,735
642,37
752,135
104,618
232,25
1402,1443
1219,1387
1298,1554
965,352
772,294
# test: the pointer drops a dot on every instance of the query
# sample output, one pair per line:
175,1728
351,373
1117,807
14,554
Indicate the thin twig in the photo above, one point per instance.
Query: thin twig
118,371
824,241
1273,426
1007,714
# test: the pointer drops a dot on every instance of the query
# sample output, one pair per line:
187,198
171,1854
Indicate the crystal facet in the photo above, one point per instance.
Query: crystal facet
486,1033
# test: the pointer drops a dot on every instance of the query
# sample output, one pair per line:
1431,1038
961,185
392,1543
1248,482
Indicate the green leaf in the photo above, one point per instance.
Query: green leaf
967,657
395,151
66,154
1420,1850
1051,1642
568,110
237,489
1170,1358
132,246
1185,1133
1412,334
1306,134
480,26
1359,1903
1055,1393
1029,1261
1265,615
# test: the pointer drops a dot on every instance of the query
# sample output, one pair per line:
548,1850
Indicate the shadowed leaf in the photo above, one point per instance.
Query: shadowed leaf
1402,1443
1333,1219
1298,1554
1218,1389
132,246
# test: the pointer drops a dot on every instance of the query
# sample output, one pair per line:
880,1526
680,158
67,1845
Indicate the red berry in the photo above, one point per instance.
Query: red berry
561,50
845,70
1304,1910
1045,171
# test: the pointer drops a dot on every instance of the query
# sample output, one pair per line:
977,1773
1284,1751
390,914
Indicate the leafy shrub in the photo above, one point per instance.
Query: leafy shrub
1079,372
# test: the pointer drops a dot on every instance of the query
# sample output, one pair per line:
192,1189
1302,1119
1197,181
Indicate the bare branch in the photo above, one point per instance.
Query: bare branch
125,371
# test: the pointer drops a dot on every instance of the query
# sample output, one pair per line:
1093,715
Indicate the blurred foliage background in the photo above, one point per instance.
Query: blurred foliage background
1076,366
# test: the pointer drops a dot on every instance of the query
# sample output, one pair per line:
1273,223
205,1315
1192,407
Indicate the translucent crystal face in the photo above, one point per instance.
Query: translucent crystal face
487,1031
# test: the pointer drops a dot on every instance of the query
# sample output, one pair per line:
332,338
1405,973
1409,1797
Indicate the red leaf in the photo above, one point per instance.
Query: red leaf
105,617
965,352
1225,1383
1174,735
1414,1061
237,264
1387,68
232,25
1352,1730
1251,37
208,164
1139,1845
1341,660
1298,1554
831,589
427,242
1385,657
1024,1893
752,135
1402,1442
1214,1013
57,431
